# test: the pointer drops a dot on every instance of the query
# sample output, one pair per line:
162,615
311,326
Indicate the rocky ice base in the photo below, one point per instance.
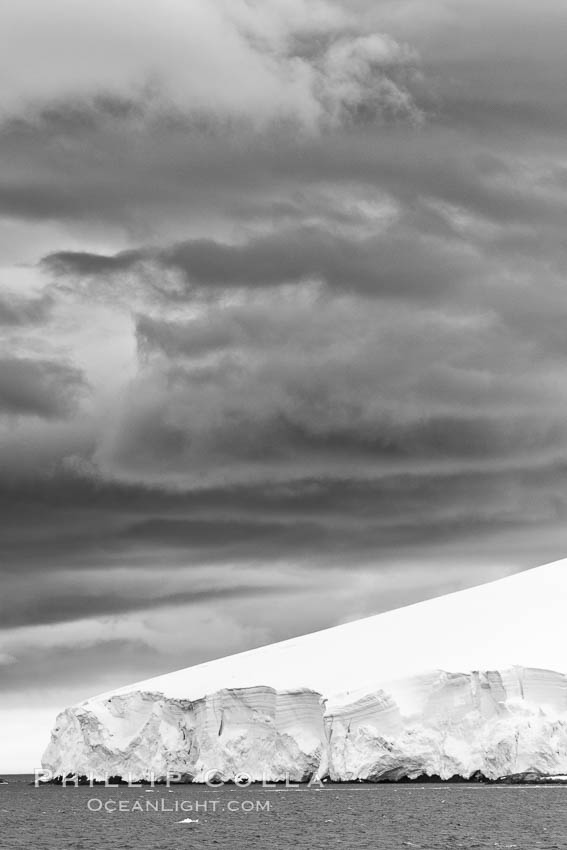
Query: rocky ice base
354,702
493,723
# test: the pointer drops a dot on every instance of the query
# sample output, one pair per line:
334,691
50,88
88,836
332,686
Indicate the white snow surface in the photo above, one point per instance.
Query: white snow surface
474,681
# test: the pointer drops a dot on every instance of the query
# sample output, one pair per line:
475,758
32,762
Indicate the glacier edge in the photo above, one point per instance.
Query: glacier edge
494,723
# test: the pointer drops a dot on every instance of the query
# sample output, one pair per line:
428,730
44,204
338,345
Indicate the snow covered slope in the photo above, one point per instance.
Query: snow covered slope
470,682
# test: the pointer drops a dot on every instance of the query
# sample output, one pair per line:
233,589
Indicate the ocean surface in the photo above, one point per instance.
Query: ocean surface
435,817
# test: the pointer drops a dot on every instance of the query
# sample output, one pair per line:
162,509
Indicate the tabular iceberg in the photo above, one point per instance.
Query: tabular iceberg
469,684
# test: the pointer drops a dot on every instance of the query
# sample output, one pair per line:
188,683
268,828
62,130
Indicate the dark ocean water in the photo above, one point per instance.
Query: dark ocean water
435,817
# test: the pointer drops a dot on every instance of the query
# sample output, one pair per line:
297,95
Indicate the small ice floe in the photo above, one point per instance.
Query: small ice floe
189,820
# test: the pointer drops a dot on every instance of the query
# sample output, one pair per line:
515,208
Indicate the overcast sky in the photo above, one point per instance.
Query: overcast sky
282,321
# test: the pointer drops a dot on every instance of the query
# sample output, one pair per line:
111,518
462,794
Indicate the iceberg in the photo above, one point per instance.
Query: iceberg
471,684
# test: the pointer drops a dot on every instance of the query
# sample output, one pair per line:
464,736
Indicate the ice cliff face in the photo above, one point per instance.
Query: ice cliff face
367,700
496,723
252,730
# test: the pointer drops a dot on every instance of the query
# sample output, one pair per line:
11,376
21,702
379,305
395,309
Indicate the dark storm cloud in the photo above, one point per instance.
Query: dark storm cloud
79,143
61,523
395,264
178,171
304,424
60,601
45,668
43,388
16,311
85,264
183,338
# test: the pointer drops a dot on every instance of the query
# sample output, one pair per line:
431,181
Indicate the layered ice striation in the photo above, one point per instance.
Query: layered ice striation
470,683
